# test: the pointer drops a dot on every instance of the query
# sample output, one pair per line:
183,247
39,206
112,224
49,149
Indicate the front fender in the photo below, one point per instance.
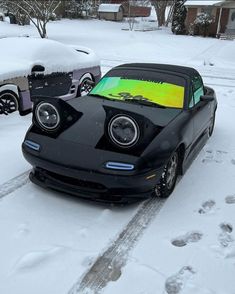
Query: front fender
177,132
10,87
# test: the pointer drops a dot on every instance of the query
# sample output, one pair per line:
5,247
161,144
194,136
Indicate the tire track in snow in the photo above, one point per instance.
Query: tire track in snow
108,266
14,184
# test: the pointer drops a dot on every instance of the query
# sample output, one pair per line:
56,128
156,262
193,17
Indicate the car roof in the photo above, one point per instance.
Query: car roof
183,70
22,53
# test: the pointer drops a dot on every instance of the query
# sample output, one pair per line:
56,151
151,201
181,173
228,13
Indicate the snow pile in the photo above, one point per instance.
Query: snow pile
202,2
19,55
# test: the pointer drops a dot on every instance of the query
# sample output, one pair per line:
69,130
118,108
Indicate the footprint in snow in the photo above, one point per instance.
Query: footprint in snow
175,283
207,206
233,161
230,199
226,227
191,237
216,156
225,238
226,246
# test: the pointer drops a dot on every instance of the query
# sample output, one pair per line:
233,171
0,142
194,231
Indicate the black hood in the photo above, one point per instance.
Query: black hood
84,121
95,111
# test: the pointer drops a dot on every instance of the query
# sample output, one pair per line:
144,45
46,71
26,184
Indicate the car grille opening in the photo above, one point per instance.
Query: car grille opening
83,184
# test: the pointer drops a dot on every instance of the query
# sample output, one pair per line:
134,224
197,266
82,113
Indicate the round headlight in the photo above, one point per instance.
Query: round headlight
47,116
123,131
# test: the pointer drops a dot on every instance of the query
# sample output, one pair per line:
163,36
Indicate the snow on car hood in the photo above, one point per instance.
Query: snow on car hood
18,55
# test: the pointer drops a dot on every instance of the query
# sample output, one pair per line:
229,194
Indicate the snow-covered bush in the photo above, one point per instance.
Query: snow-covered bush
179,16
78,9
202,23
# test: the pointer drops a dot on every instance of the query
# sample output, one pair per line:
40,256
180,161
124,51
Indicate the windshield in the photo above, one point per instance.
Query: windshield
160,93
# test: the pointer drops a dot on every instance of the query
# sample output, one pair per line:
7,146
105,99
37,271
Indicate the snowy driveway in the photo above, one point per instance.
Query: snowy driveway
54,243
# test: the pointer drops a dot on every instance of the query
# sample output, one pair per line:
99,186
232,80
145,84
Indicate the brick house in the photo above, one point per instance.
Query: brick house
223,12
135,11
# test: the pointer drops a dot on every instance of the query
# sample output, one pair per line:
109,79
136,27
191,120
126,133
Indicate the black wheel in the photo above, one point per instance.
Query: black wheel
212,126
86,85
169,177
8,102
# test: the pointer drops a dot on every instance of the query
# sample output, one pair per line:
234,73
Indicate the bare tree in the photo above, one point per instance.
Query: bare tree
170,13
131,4
160,7
39,12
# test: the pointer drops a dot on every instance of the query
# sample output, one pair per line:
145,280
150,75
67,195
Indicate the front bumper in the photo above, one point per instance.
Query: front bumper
92,185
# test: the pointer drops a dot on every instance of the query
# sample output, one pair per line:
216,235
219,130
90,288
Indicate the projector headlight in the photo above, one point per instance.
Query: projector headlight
123,131
47,116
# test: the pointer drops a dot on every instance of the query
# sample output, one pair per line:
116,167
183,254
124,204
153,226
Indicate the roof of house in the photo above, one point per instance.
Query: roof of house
109,7
203,2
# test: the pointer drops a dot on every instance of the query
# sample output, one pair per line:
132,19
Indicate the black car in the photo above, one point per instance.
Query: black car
137,130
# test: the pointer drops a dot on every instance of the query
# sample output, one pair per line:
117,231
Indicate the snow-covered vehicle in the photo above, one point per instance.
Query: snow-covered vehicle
33,66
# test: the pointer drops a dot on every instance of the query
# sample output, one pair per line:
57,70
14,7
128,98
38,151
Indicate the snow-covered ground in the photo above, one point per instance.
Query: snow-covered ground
54,243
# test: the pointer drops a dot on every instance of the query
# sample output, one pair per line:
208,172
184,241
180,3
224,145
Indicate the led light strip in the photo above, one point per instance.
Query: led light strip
119,166
32,145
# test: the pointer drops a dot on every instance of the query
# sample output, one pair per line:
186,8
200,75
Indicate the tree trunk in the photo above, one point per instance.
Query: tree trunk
160,8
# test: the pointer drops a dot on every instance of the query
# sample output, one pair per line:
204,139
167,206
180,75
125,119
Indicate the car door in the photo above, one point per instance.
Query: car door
200,110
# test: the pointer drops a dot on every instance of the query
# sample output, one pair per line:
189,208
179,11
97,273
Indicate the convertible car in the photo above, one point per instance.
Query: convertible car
34,66
130,138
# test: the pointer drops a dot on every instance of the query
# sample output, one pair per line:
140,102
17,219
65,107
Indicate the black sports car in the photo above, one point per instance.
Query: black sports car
130,138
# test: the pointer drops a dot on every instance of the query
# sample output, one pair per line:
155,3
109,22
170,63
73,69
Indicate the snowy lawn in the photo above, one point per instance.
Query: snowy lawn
50,240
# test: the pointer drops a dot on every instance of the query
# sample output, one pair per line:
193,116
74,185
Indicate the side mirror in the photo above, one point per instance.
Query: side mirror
207,98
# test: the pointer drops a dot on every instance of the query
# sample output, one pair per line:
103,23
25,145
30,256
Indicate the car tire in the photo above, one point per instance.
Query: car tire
169,177
9,102
85,85
212,125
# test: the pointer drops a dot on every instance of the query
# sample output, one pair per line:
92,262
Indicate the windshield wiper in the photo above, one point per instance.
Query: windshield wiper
98,95
138,100
144,102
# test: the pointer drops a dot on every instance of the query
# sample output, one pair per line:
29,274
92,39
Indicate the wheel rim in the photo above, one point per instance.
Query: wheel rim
86,87
8,103
171,171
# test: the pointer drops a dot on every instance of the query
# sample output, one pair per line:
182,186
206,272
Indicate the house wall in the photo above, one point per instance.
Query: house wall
224,20
191,16
213,27
114,16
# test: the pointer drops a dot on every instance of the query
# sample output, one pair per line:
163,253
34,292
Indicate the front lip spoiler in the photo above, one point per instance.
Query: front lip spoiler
42,178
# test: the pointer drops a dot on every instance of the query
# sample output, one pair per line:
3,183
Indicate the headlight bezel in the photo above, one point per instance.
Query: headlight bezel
39,121
134,124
